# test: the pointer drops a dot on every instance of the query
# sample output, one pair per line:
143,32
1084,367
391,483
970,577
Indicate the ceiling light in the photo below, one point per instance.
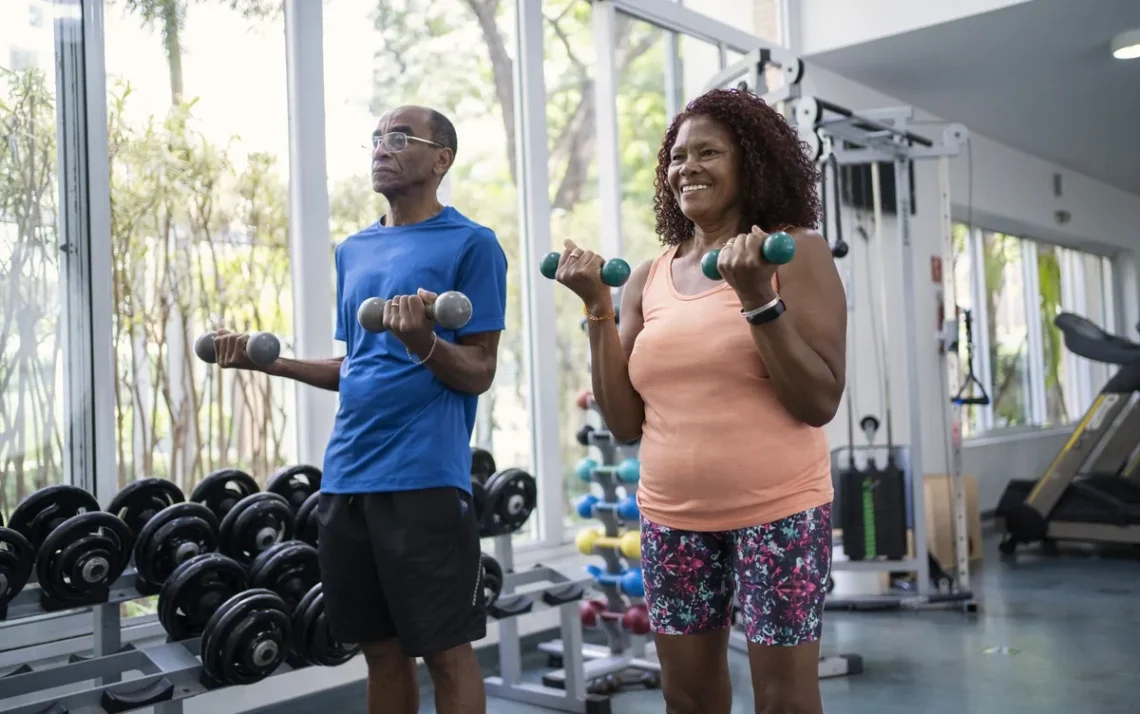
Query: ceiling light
1126,45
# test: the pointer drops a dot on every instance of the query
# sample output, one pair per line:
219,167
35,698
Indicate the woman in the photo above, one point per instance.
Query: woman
728,385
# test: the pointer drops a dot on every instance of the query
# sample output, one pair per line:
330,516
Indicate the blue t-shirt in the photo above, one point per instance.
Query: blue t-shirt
398,427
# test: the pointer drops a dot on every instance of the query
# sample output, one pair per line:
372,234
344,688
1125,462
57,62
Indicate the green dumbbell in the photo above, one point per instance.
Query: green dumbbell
615,271
451,310
628,471
778,248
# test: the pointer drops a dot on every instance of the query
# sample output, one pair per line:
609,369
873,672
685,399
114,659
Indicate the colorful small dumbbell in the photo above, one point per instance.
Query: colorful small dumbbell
626,509
634,620
628,543
629,582
628,471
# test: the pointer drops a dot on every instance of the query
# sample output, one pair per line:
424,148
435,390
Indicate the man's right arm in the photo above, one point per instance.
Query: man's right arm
321,373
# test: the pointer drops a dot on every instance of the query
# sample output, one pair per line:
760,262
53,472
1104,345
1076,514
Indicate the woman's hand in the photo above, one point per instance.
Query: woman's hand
581,271
741,263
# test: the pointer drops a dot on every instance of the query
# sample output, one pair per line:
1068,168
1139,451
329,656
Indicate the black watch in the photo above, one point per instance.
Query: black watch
767,315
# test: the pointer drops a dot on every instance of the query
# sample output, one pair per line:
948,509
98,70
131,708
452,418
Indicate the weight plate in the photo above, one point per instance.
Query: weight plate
289,569
511,496
174,535
246,639
295,484
299,642
80,559
17,558
193,592
221,490
137,503
40,513
307,528
482,465
253,524
323,650
492,580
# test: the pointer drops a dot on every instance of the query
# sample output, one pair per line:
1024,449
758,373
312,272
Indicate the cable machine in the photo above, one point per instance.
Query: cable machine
844,137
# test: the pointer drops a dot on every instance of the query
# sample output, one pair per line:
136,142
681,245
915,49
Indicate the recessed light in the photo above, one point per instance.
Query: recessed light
1126,45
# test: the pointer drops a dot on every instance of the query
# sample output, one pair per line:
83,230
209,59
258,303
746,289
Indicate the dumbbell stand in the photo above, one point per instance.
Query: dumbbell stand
599,661
509,684
829,665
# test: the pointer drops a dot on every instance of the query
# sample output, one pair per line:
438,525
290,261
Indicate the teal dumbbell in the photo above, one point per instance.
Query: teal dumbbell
778,248
615,271
628,471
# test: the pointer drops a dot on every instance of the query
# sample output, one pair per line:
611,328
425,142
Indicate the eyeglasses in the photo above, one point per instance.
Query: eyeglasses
397,141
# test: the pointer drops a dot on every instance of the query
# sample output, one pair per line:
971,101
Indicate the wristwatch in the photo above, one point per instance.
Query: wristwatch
765,313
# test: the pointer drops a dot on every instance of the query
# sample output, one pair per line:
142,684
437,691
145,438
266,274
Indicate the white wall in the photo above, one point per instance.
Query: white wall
1011,191
827,24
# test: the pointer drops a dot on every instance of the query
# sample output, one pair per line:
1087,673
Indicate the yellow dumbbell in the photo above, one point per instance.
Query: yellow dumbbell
628,543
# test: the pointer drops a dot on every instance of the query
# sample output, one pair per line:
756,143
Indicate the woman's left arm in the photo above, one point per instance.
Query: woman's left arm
805,348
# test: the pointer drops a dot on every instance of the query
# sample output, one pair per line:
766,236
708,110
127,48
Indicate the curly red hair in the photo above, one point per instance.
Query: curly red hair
778,181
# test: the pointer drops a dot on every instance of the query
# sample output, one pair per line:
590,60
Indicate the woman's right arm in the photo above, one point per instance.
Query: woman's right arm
610,348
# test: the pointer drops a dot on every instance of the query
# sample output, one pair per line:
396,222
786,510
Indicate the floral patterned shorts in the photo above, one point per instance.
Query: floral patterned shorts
774,572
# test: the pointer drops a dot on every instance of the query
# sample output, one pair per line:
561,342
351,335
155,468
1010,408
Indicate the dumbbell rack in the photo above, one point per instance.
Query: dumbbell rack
516,598
625,652
171,671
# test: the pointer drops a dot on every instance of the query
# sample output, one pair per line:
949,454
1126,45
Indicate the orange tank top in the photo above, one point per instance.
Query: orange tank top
718,451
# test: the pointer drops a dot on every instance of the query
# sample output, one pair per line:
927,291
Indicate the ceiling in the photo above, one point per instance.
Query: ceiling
1037,76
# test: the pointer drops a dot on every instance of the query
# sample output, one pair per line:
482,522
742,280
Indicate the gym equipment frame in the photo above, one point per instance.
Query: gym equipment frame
859,138
625,651
1089,491
172,672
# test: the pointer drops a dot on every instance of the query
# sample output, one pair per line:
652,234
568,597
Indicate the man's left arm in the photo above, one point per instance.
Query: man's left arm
804,349
469,364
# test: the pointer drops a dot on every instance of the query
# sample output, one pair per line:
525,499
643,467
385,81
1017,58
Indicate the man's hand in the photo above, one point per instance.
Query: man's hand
229,350
406,318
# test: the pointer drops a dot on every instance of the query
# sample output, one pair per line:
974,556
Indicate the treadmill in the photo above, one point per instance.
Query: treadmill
1091,491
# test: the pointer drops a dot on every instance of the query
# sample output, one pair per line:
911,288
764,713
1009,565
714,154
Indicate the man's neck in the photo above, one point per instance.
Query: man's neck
403,211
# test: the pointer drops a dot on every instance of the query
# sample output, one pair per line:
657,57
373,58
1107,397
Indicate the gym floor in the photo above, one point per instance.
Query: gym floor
1056,634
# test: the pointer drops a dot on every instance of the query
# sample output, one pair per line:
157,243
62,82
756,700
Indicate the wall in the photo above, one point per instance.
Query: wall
827,24
1011,191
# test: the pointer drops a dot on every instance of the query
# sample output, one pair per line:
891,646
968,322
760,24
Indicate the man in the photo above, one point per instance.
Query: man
399,546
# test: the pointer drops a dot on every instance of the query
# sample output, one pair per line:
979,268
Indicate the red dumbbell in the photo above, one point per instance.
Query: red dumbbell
635,620
590,611
584,399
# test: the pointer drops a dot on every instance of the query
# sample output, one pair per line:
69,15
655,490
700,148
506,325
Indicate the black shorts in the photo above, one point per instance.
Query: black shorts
404,564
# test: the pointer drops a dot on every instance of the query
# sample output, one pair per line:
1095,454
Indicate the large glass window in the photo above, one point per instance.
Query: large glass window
198,144
457,57
759,17
33,331
1015,288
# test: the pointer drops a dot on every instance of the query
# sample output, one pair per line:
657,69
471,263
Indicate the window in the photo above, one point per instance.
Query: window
759,17
1019,354
33,281
456,57
199,220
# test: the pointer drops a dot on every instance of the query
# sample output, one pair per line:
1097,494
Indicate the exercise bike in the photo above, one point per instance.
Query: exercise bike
1091,490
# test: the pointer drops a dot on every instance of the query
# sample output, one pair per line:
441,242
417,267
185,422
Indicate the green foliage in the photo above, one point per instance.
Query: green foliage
1049,287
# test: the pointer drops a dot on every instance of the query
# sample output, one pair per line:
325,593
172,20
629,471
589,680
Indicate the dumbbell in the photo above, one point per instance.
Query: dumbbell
584,399
778,248
628,543
629,582
628,471
626,509
635,620
586,431
263,348
615,271
452,310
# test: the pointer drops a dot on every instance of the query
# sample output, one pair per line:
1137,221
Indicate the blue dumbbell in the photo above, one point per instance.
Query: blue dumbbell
626,509
628,581
628,471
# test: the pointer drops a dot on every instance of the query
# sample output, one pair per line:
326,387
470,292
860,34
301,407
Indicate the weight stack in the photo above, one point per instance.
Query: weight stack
873,514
